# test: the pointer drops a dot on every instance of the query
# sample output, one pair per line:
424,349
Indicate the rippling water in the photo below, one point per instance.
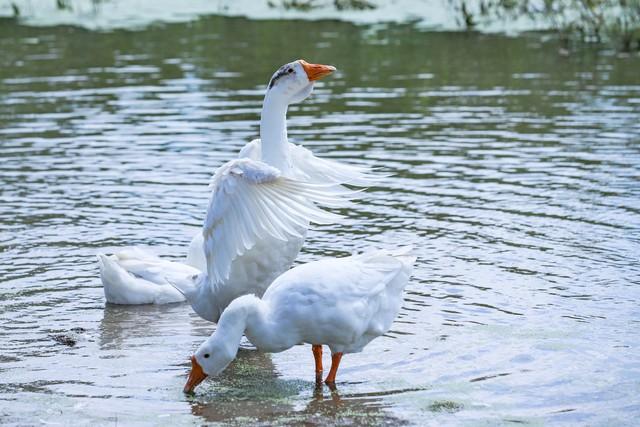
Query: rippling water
516,174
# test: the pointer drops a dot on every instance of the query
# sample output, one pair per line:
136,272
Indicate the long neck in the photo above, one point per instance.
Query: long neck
250,316
273,133
232,324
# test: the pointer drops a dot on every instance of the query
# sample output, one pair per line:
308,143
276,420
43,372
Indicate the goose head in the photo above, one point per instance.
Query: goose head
293,82
209,360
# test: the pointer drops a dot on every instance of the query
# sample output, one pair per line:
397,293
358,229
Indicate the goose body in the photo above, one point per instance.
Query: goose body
135,276
343,303
259,211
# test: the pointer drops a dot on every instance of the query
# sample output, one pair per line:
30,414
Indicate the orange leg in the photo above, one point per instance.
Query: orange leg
317,355
335,362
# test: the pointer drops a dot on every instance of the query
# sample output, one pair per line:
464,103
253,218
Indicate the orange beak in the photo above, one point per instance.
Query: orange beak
316,71
196,376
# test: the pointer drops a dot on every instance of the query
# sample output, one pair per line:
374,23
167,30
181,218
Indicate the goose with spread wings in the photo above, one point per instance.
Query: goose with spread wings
259,211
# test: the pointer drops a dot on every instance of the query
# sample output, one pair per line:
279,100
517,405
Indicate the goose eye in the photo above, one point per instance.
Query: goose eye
206,355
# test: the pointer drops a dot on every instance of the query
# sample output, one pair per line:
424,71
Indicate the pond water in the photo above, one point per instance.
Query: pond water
515,175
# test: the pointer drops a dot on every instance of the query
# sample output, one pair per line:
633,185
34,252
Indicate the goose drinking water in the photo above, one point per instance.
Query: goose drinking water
343,303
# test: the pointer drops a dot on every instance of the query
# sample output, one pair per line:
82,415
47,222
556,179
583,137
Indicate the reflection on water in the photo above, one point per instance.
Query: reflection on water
122,326
251,390
514,173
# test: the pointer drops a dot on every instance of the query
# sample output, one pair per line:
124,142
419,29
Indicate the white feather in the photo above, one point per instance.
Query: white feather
257,217
343,303
124,287
251,201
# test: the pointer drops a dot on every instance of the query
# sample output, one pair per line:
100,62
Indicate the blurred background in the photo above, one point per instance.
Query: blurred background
511,130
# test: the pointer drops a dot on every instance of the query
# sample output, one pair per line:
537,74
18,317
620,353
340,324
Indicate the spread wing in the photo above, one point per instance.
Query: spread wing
316,169
311,168
249,201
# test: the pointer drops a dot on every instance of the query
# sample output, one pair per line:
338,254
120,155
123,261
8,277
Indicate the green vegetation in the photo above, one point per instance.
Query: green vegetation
313,4
616,22
594,21
445,406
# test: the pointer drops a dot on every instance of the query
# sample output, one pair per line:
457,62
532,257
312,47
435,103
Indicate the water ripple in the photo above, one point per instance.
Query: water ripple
515,178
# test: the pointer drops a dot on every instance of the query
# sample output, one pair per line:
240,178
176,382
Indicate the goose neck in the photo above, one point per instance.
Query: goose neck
273,134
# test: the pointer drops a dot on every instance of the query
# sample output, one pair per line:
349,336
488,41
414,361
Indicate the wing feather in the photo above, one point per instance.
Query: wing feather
311,168
250,201
317,169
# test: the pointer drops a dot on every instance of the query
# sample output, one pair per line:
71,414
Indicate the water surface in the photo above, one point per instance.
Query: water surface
515,175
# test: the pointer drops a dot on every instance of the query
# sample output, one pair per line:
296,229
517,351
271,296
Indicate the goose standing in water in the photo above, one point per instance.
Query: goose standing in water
259,211
343,303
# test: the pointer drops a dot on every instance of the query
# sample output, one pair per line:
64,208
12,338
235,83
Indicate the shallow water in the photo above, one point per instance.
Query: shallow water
515,175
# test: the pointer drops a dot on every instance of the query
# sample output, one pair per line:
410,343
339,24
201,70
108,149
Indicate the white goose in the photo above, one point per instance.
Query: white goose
259,211
341,302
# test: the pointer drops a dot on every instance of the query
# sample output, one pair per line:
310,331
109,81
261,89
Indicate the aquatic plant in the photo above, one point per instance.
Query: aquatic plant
593,21
313,4
445,406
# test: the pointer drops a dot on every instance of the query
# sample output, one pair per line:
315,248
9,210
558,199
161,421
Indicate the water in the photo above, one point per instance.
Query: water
515,174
